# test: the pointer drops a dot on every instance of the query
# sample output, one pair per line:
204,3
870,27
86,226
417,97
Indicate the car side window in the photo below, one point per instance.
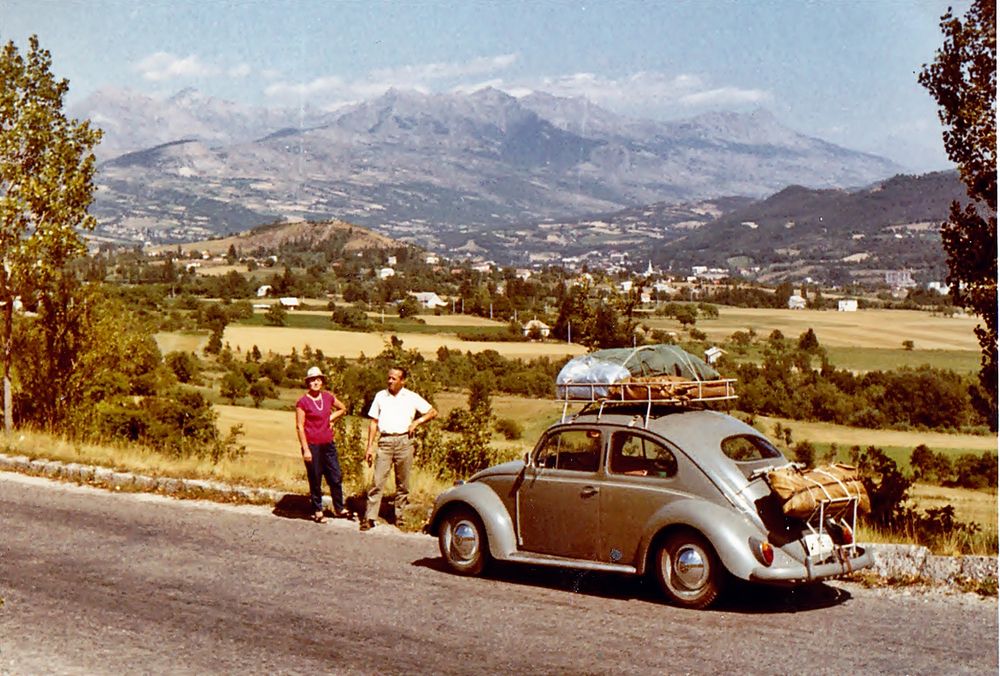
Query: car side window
578,450
637,455
745,448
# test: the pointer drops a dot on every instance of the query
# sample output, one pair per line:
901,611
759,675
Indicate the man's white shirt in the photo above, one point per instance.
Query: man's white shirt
395,412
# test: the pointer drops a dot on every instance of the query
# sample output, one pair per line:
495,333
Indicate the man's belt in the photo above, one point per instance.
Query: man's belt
394,434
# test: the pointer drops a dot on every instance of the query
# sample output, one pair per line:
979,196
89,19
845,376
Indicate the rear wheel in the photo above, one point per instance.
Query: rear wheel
462,541
687,570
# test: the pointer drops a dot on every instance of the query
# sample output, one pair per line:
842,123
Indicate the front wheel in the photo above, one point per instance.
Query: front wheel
688,571
462,541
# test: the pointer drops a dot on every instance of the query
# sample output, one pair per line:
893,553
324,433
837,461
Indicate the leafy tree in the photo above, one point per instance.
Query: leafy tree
275,315
234,386
409,308
46,185
808,342
184,365
70,356
262,389
962,79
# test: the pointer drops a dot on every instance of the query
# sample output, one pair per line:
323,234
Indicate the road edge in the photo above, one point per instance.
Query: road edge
894,564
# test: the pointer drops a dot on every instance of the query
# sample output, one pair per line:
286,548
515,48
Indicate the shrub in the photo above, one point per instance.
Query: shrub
180,424
509,428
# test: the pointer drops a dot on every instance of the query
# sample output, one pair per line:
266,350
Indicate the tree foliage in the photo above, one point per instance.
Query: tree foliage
46,184
962,79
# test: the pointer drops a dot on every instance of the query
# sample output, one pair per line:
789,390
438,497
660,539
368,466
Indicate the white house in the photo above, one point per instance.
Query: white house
531,324
713,353
625,286
431,259
796,302
289,302
940,287
847,305
428,299
385,273
391,260
263,290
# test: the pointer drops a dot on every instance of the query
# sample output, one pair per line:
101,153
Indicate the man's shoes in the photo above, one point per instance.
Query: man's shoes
342,514
367,524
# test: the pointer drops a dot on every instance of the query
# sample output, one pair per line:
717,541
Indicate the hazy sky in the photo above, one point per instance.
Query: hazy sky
841,70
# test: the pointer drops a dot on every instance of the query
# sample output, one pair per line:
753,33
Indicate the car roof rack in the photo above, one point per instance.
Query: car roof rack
662,393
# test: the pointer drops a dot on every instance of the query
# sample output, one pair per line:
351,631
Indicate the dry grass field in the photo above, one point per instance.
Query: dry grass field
864,328
351,344
845,437
183,342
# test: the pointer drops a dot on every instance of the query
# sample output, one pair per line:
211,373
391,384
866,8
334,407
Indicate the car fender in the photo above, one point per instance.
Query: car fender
487,504
727,531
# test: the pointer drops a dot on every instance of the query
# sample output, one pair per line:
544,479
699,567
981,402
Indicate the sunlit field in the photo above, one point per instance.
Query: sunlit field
174,341
864,328
351,344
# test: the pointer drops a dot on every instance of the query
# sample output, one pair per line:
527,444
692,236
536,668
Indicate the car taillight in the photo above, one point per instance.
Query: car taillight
762,551
840,532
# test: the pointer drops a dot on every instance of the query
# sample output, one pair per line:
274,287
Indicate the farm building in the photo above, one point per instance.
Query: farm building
536,324
428,299
263,290
796,302
847,305
289,302
713,353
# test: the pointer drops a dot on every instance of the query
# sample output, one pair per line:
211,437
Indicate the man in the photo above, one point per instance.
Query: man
394,418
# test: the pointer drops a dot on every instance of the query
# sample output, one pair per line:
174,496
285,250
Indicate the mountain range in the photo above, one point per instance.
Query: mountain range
437,170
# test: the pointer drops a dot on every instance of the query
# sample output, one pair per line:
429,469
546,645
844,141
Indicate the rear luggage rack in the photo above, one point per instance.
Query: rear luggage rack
841,513
650,391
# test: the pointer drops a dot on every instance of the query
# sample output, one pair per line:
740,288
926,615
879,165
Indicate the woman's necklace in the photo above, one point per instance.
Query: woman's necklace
317,401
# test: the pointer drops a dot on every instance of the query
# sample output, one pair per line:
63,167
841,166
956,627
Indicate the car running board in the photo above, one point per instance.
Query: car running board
582,564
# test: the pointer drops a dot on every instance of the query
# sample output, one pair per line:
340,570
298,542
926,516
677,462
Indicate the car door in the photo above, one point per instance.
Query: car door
558,503
644,473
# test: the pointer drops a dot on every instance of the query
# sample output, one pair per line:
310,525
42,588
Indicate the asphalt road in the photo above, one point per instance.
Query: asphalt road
94,582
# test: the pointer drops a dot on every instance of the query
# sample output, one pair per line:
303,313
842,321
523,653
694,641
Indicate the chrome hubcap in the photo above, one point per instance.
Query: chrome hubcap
690,567
464,541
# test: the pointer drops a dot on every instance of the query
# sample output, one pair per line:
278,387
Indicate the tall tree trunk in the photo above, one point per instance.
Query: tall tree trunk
8,337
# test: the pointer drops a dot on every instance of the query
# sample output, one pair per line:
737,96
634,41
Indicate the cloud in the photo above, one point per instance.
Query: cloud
647,89
166,66
724,96
419,77
163,66
240,71
420,73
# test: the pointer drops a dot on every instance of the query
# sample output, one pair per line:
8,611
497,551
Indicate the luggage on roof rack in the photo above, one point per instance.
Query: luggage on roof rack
660,374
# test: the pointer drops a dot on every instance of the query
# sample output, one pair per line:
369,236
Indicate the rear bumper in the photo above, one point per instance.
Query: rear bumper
805,572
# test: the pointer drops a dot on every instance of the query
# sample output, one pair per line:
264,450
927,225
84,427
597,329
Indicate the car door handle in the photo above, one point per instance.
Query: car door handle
588,491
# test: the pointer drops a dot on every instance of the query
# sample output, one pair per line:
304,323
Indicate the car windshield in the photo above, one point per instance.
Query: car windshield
746,448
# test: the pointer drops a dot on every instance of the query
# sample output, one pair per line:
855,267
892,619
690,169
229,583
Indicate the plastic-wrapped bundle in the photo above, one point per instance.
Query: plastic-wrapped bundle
587,377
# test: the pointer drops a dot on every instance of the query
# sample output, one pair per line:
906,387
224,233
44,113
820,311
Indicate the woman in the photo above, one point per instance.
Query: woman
315,412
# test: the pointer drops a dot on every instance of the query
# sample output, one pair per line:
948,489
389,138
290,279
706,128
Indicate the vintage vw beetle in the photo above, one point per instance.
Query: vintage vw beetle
676,493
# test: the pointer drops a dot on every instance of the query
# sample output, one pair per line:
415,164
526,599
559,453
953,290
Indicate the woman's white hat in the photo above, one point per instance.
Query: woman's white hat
314,372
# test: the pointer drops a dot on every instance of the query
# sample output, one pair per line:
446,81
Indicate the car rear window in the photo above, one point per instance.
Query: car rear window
745,448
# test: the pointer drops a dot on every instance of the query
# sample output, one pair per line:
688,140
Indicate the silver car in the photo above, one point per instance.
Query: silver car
676,493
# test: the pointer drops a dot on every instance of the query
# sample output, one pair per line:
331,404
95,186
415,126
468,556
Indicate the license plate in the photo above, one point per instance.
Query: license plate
818,544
